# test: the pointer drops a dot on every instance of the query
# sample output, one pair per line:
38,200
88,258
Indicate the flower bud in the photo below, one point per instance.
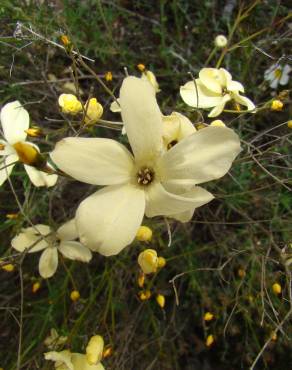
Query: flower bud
74,295
12,216
289,124
241,273
65,40
208,316
144,295
220,41
94,350
274,336
141,280
69,104
34,131
141,67
108,76
160,299
210,340
148,261
277,289
144,234
28,154
218,123
161,262
277,105
36,286
94,111
8,267
107,352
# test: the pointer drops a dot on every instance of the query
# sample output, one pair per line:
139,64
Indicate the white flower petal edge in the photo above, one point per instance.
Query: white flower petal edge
40,178
75,251
94,160
48,262
7,167
31,236
14,120
108,220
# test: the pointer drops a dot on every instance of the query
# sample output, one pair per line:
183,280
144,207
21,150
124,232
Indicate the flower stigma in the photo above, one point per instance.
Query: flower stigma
145,176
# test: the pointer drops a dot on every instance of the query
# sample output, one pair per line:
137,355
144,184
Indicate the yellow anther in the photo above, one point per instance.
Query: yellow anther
8,267
277,289
141,67
2,146
35,287
210,340
108,76
34,131
289,124
161,262
218,123
148,261
144,234
12,216
107,352
160,299
144,295
241,273
208,316
65,40
94,350
69,104
74,295
28,154
277,105
94,111
141,280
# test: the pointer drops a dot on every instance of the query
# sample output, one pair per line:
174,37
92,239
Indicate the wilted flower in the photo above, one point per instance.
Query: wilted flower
220,41
148,261
42,237
144,234
277,75
214,88
94,350
69,104
153,181
94,111
15,122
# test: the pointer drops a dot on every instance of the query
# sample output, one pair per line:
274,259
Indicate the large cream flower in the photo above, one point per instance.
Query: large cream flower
15,122
43,238
214,88
152,181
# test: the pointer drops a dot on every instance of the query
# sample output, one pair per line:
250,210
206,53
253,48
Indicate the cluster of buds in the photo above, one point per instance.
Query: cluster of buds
149,261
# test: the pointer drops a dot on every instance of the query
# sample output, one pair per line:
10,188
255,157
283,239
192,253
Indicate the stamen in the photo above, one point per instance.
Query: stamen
145,176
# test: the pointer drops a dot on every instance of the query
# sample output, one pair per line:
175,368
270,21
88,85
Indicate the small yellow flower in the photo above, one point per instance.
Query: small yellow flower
141,280
144,295
289,124
220,41
36,286
34,131
69,104
210,340
208,316
108,76
74,295
12,216
161,262
274,336
94,350
277,289
160,299
65,40
148,261
241,272
8,267
141,67
277,105
94,111
28,154
144,234
218,123
107,352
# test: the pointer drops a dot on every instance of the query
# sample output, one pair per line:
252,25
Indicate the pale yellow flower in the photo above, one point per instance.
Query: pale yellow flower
148,261
214,88
43,238
94,111
69,104
150,181
15,123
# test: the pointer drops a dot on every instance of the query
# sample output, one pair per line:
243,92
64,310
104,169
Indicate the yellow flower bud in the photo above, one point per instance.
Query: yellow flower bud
208,316
218,123
74,295
107,352
35,287
210,340
148,261
28,154
289,124
34,131
141,67
274,336
144,234
277,289
8,267
277,105
69,104
65,40
144,295
94,111
94,350
161,262
160,299
108,76
241,273
141,280
220,41
12,216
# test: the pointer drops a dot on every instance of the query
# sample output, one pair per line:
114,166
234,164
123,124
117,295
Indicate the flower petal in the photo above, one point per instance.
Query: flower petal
211,78
205,155
108,220
62,358
94,160
75,251
160,202
235,86
31,236
68,231
48,262
6,167
80,363
7,148
199,97
243,100
40,178
219,108
14,120
142,118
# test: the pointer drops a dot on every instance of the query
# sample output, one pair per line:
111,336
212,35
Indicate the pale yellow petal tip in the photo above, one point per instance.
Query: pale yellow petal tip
160,299
93,110
69,104
94,350
277,289
74,295
210,340
148,261
277,105
217,123
208,316
144,234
